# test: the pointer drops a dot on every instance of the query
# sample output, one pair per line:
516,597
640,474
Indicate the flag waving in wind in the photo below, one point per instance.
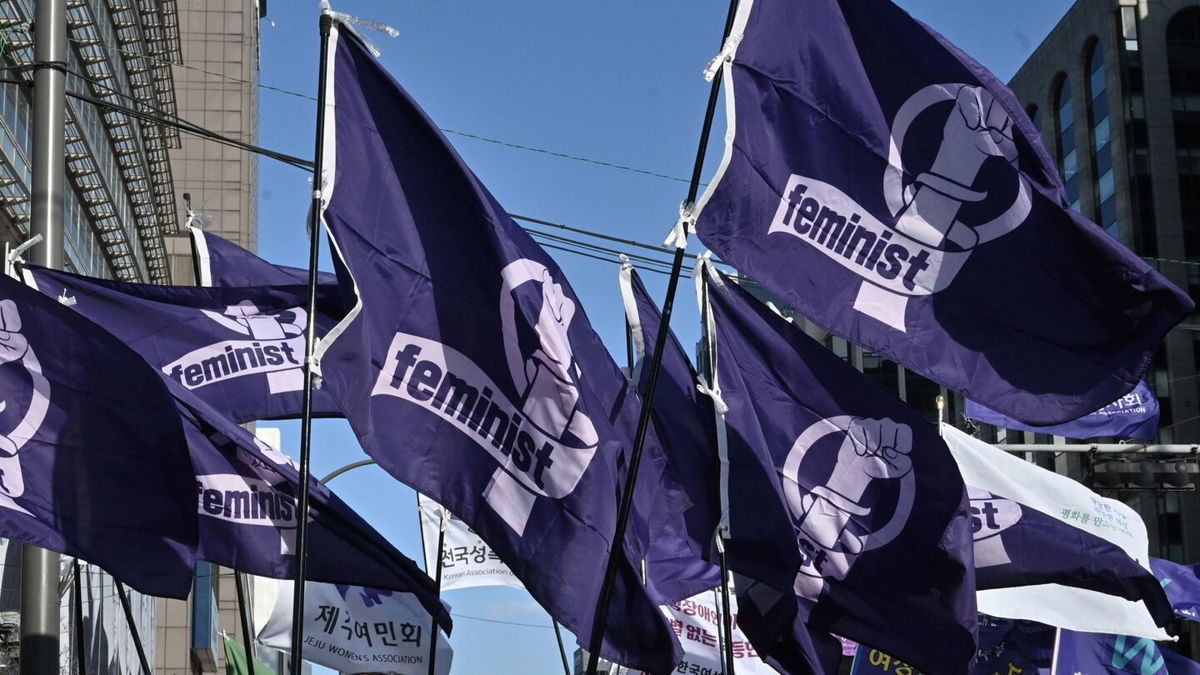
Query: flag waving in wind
240,349
888,187
93,458
846,511
220,262
468,368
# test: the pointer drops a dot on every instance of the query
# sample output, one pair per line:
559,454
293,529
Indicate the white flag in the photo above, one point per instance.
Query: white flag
466,560
351,629
987,467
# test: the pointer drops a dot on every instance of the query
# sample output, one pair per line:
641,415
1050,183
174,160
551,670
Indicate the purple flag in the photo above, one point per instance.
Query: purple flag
846,510
220,262
1134,415
468,369
677,566
93,459
1017,545
1097,654
1008,646
241,350
1182,586
247,494
892,190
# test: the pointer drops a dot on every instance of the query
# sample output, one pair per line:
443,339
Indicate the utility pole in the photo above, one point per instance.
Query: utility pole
39,567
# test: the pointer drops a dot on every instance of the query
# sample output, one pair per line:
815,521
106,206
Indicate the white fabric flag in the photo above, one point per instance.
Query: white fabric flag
696,622
467,561
351,629
987,467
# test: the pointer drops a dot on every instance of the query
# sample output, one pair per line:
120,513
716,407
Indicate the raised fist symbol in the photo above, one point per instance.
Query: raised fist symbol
12,344
978,128
872,450
979,122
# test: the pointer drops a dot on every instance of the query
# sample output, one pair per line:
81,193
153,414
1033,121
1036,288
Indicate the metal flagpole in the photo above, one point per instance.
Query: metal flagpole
721,635
726,614
437,580
314,245
39,567
247,641
80,649
616,553
133,631
562,650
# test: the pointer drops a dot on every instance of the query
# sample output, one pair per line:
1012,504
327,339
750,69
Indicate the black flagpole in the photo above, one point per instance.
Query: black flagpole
80,648
437,580
726,614
247,639
133,630
314,246
616,554
562,650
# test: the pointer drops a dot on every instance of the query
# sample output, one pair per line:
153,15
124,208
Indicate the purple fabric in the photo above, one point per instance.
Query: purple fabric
241,350
847,510
472,373
1094,653
231,265
1134,415
889,188
1182,586
93,458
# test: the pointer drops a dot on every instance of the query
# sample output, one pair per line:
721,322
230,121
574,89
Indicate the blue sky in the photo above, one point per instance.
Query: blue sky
615,82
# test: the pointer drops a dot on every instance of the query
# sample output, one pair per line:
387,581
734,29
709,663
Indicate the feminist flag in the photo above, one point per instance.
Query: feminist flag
846,511
247,494
239,349
93,458
468,369
1134,415
677,564
1080,607
220,262
892,190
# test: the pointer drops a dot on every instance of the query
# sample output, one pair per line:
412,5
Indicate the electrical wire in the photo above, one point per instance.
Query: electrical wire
507,623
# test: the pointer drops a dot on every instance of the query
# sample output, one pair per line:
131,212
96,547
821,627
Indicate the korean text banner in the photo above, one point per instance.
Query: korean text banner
989,468
93,458
467,560
697,623
892,190
352,629
468,368
1134,415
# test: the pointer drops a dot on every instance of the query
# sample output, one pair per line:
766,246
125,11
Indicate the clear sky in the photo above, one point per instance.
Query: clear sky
617,82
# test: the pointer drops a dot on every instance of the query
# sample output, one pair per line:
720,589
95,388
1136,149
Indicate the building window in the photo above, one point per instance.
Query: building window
1183,64
1105,213
1068,158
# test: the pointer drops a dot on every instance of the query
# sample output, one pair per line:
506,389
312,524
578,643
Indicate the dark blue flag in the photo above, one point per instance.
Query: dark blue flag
93,458
1012,647
1134,415
240,349
846,509
892,190
678,565
1096,654
220,262
468,369
1017,545
1182,586
247,494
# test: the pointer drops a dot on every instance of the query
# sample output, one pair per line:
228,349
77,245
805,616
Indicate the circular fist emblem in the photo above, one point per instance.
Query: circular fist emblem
836,514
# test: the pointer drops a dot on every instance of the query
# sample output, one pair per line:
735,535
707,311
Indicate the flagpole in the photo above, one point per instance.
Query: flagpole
314,247
562,650
437,581
616,553
247,643
133,630
80,649
727,615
